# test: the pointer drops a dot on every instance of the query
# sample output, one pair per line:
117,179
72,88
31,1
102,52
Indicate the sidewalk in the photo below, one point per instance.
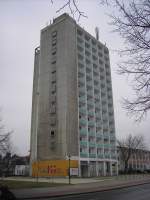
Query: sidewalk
95,186
59,180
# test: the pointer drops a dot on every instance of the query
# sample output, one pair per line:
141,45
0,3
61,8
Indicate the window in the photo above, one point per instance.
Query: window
80,48
106,50
80,57
107,66
100,54
100,62
93,42
79,32
54,53
53,98
53,109
53,62
54,42
54,71
54,49
87,61
52,133
87,45
53,92
87,38
54,88
79,40
101,69
53,145
106,58
53,67
94,50
53,77
99,47
53,121
107,73
53,103
87,53
95,66
94,57
54,33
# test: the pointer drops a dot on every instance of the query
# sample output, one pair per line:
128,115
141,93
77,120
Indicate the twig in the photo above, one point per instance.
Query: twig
71,4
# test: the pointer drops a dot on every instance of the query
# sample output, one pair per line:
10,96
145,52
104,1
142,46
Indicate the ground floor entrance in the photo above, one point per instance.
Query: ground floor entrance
98,168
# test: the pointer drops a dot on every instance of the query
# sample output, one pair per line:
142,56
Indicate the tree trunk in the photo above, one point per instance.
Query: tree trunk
126,167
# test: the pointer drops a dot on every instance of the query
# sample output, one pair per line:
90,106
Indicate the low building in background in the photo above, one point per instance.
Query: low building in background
9,162
139,161
21,170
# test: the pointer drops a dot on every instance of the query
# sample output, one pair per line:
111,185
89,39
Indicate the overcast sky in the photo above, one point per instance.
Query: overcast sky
20,25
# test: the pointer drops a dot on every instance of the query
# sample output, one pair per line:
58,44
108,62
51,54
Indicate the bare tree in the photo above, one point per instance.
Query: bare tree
128,146
5,143
133,24
5,150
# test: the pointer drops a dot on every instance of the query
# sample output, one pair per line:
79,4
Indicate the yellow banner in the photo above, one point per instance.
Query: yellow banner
52,168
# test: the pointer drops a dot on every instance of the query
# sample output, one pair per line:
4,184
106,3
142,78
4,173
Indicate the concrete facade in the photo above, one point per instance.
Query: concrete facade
72,109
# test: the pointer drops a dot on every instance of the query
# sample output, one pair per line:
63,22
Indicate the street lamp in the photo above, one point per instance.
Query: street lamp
37,178
69,170
69,174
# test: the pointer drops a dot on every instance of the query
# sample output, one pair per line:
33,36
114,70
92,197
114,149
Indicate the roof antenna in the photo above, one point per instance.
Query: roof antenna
97,33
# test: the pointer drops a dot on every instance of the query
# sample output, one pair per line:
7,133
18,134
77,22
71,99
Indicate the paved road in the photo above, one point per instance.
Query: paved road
141,192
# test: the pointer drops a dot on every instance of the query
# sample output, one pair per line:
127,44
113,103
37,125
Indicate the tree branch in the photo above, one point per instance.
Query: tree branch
73,7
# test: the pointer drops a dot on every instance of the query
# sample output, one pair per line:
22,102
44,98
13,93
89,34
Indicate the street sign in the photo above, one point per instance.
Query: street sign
74,171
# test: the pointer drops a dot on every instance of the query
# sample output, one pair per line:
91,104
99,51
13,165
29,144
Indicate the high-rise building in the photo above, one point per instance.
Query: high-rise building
72,108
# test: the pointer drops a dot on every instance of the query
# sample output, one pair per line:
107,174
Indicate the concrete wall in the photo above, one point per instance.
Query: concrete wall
65,141
34,118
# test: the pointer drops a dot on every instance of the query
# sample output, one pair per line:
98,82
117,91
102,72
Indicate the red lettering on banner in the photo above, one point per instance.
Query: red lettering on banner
51,169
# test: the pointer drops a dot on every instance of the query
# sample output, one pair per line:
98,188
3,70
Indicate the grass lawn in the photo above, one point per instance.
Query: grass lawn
13,184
